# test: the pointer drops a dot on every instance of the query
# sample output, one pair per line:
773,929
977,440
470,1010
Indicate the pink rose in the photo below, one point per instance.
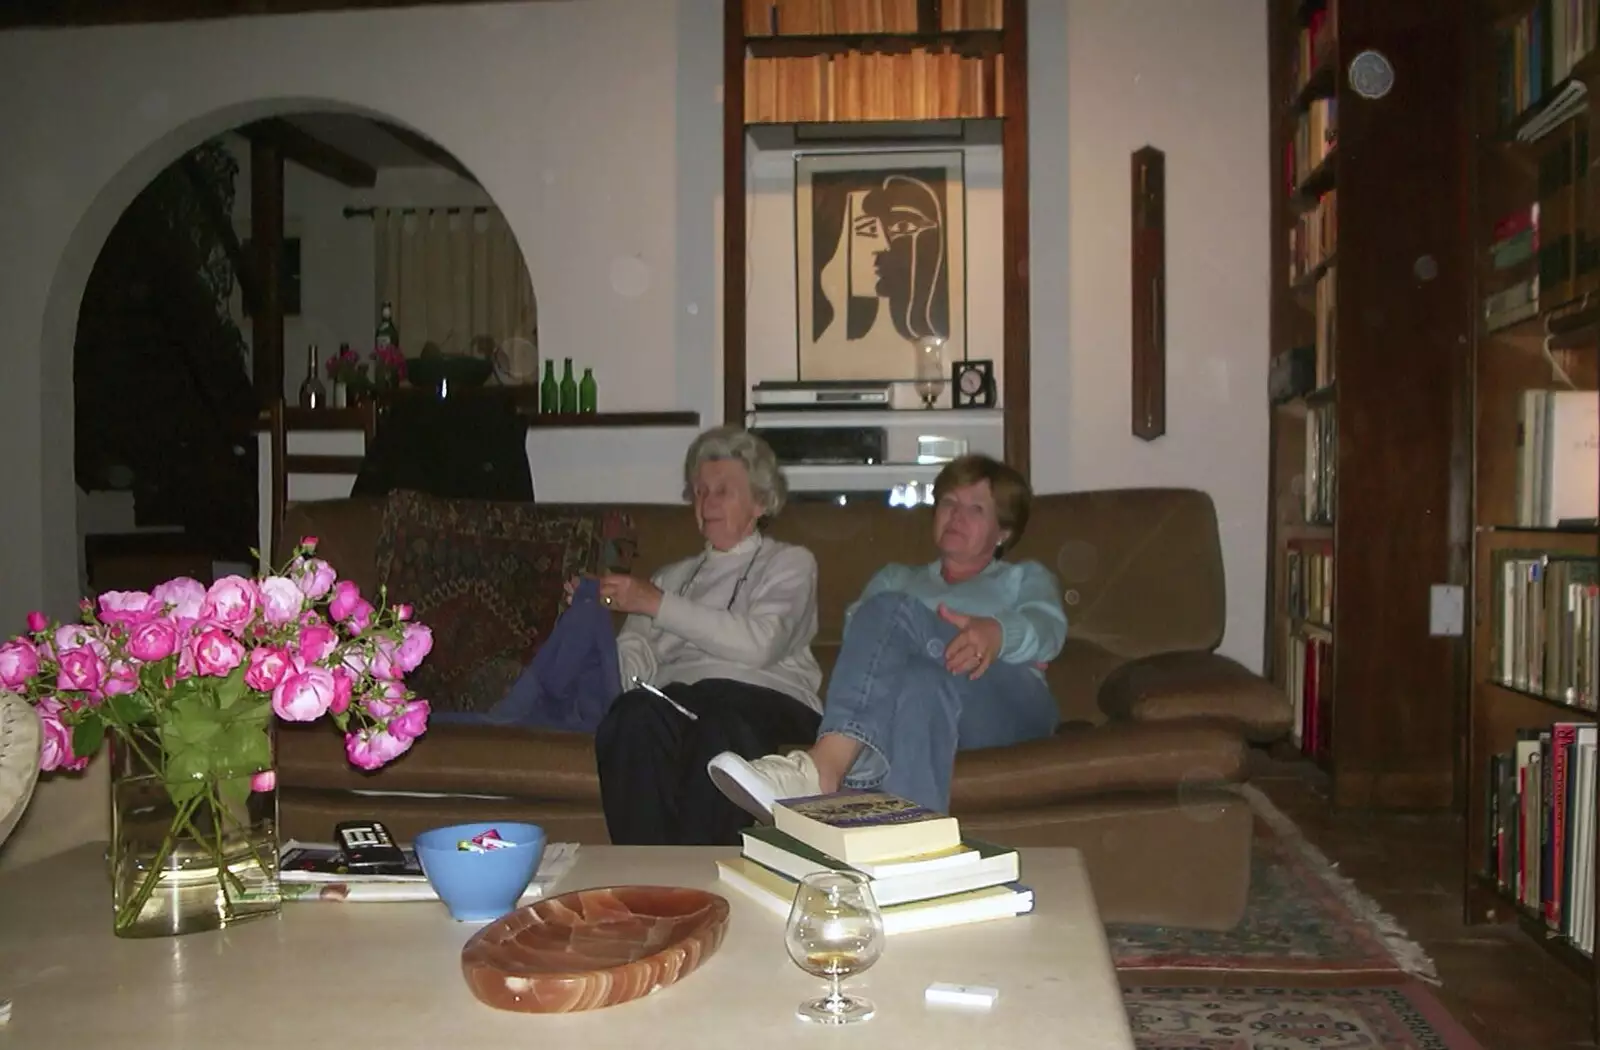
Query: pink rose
153,640
303,696
403,612
186,668
360,617
267,667
216,653
343,686
19,661
120,679
127,607
371,748
415,645
76,636
382,664
412,721
314,577
231,604
37,622
182,598
308,542
80,670
316,643
281,600
55,749
379,706
265,780
345,597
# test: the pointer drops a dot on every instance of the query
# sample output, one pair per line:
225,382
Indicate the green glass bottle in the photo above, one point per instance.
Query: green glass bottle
588,392
569,389
549,393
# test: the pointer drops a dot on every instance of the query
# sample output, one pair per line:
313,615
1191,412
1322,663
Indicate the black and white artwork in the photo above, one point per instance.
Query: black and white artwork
880,261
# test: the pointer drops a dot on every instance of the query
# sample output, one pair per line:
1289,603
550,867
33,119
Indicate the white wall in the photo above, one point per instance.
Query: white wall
1189,77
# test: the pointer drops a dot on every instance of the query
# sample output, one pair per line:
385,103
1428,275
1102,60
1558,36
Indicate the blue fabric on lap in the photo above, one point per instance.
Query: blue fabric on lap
570,682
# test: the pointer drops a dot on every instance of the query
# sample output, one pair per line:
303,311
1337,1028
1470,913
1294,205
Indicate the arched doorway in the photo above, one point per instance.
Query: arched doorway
185,331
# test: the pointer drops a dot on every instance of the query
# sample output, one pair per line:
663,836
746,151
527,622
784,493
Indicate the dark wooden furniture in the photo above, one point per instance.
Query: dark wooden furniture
1004,53
1555,347
1392,193
282,419
1148,191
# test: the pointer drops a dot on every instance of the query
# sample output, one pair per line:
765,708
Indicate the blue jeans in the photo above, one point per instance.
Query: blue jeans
890,690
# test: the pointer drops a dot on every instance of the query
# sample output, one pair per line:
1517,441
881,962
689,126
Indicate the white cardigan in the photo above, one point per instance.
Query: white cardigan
764,638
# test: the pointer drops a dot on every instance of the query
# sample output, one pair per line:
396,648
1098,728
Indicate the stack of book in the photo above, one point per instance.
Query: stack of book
925,874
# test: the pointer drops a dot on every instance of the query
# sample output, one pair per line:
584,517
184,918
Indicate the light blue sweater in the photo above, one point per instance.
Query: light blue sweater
1023,596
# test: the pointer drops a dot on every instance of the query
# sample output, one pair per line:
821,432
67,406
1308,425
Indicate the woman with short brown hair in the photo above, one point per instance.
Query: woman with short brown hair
936,658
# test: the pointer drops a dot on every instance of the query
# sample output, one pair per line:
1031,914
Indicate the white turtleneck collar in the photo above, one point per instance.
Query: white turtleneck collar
744,546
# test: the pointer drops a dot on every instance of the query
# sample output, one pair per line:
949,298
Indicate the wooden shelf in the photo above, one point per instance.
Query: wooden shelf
1583,70
588,420
1533,925
1399,430
977,43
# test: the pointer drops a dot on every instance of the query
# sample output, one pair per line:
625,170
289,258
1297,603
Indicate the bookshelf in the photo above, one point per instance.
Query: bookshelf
1370,320
816,74
1535,642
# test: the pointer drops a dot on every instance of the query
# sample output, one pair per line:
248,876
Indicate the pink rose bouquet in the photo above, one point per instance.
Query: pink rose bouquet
187,680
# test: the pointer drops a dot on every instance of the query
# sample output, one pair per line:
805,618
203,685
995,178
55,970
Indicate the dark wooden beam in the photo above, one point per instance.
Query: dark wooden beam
427,149
734,372
311,153
17,14
266,237
1016,294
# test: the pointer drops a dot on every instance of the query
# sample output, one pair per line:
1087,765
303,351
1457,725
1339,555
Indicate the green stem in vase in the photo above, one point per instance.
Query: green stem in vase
128,914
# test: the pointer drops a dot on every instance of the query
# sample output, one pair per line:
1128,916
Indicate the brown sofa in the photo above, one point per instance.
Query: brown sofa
1155,725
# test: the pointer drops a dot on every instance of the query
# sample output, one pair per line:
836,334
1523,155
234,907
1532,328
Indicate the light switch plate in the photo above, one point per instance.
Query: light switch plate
1446,610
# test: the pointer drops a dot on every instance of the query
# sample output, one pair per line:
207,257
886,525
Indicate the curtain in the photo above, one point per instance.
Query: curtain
457,278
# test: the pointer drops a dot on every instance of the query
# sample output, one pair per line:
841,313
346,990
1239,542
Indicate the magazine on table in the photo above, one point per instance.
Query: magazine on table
315,871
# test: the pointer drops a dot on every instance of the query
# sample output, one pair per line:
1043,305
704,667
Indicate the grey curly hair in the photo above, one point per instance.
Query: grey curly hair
767,484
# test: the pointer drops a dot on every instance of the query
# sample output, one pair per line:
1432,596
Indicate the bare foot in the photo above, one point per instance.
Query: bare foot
834,754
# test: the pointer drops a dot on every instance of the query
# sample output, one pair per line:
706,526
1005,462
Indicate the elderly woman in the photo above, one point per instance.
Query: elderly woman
936,658
726,636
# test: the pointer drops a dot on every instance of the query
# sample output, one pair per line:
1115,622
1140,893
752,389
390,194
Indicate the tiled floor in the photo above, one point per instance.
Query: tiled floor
1497,983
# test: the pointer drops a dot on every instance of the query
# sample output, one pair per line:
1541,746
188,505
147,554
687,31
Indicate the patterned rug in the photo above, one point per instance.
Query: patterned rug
1301,917
1254,1017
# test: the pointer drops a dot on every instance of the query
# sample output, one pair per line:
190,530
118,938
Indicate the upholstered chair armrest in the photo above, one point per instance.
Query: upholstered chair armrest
1196,686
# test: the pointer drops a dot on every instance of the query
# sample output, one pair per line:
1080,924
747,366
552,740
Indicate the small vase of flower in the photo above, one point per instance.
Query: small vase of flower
186,683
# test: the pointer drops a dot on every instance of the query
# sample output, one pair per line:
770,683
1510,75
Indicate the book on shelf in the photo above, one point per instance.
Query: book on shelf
924,83
775,892
1537,51
1540,838
1321,464
1558,457
1308,681
865,826
1543,635
822,17
974,865
315,871
1310,584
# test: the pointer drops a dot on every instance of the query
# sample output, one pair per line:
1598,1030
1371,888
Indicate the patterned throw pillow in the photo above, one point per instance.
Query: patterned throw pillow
486,577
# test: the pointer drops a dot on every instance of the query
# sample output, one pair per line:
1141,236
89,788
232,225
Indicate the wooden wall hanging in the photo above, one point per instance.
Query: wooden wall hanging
1149,294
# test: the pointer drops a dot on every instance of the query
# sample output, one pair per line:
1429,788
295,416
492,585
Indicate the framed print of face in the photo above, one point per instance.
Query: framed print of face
880,243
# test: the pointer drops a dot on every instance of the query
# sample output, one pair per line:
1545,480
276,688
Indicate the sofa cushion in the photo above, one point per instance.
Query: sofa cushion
1188,686
1113,759
486,577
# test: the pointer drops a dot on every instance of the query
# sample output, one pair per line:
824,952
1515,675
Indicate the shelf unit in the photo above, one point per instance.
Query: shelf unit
814,73
1370,292
1531,338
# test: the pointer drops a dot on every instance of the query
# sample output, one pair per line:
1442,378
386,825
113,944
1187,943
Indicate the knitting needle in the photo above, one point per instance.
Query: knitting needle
639,683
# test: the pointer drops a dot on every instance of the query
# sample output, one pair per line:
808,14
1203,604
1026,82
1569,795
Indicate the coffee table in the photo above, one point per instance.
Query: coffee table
388,976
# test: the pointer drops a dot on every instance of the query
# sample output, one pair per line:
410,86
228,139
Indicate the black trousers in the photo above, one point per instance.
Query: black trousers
652,759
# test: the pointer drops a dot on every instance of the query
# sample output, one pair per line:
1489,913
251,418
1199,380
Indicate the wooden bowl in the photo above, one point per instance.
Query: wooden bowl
593,948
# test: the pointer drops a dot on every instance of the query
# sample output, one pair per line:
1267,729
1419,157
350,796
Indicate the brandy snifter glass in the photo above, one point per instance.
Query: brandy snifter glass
835,931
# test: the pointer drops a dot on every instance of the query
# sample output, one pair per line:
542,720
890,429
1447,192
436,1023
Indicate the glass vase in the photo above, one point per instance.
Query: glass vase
189,853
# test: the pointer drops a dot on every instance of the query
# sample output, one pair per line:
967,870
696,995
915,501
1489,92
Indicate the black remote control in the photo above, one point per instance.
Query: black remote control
369,848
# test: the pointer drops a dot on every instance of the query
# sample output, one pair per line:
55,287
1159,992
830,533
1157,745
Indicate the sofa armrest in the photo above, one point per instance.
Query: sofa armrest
450,759
1114,759
1190,686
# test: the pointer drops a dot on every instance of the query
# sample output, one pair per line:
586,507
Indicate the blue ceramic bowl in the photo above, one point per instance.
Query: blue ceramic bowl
477,887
